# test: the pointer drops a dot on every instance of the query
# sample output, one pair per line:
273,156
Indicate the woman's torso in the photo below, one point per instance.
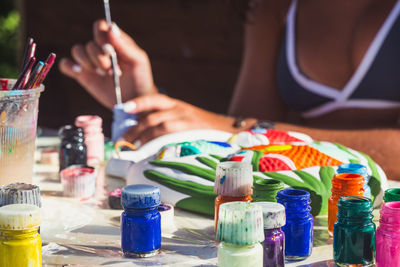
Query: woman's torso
341,55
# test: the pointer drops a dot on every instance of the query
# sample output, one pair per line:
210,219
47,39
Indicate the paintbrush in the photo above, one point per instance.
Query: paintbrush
113,56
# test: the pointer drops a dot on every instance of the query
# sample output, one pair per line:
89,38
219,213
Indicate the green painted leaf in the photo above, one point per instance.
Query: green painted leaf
310,180
255,161
208,162
187,168
185,187
375,179
217,157
326,173
197,204
355,161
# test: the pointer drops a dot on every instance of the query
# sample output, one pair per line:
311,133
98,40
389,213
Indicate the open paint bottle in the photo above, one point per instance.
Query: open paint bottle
20,242
388,236
274,242
299,223
265,190
140,221
354,233
240,230
359,169
233,182
392,194
343,184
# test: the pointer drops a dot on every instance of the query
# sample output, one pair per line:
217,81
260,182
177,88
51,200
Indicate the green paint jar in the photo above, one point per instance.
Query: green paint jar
391,195
354,233
266,190
241,231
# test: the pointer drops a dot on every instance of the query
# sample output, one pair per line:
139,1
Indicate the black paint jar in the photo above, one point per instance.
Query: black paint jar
72,149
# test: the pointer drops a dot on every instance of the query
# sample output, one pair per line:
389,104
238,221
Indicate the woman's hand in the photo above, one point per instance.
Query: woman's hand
159,114
91,65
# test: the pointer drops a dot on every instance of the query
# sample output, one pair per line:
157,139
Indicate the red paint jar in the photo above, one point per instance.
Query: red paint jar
233,182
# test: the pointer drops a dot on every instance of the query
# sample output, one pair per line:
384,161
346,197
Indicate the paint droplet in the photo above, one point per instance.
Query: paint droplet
222,179
3,117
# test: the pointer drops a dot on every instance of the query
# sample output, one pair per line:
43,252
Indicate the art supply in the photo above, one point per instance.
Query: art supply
20,193
233,182
274,243
299,223
265,190
27,52
72,148
94,138
34,75
140,221
343,184
240,230
20,242
20,83
392,194
113,57
48,64
18,121
354,233
122,122
359,169
78,181
388,236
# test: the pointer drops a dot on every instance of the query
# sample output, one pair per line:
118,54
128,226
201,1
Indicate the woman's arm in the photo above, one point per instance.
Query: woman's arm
255,94
382,145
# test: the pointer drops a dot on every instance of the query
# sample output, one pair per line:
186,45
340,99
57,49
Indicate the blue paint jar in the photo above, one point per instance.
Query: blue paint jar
140,221
299,223
122,121
358,169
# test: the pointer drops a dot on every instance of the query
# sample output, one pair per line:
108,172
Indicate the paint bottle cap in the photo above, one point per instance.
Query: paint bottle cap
240,223
140,196
234,179
353,168
19,217
274,214
19,193
69,132
79,181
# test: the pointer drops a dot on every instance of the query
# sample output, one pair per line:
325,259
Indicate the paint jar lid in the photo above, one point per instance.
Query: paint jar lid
89,123
274,214
240,223
353,168
19,217
140,196
19,193
392,194
71,132
234,179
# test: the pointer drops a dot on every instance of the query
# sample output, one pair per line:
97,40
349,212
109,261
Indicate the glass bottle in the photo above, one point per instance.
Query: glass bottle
240,230
73,150
274,242
140,221
388,236
359,169
233,182
299,223
20,242
265,190
392,194
343,184
94,138
354,233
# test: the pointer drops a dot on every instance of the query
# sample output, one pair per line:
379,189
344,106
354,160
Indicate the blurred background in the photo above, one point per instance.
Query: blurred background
195,48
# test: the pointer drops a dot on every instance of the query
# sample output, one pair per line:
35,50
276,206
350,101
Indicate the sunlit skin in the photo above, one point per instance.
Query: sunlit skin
333,37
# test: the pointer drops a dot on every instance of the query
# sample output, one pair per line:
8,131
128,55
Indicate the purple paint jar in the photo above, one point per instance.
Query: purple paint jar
274,243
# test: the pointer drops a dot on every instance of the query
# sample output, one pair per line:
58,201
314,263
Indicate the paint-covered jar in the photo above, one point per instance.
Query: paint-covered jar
299,223
343,184
359,169
72,149
233,182
388,236
274,242
20,242
354,233
240,230
20,193
140,221
392,194
265,190
94,138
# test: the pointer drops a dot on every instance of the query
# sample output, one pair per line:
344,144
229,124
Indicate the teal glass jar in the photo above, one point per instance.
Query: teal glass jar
265,190
354,233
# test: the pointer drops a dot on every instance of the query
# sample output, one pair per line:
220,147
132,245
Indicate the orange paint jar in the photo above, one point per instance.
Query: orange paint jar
343,184
233,182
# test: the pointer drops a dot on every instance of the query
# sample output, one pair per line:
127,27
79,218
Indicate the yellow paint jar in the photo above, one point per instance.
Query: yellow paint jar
20,242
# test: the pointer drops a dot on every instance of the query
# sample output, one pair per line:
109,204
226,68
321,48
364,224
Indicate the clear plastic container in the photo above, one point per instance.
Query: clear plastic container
18,123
